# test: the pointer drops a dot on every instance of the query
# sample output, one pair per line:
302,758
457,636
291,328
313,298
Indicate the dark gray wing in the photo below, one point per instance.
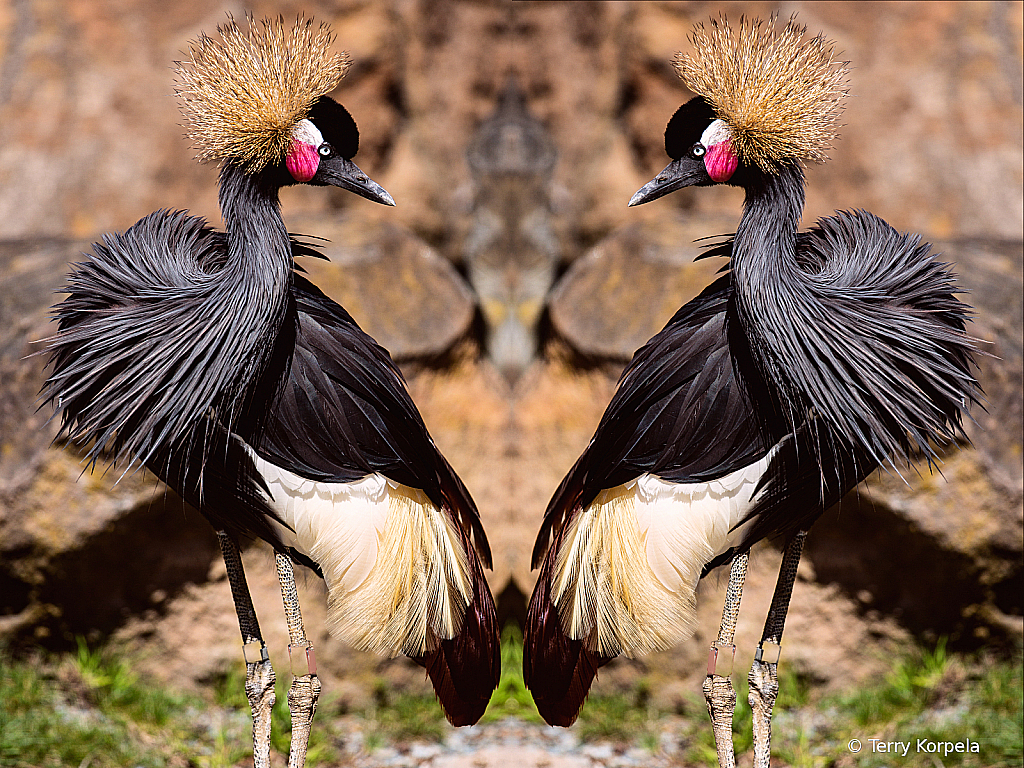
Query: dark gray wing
680,411
343,411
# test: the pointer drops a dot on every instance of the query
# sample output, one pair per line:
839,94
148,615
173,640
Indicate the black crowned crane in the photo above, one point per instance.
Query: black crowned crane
204,356
816,358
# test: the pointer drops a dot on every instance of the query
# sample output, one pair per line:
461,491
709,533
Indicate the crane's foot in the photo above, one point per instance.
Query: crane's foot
259,689
721,699
302,698
305,688
718,691
764,688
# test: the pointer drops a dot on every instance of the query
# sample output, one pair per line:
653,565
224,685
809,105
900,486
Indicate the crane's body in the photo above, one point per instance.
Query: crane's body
330,463
818,357
204,356
685,459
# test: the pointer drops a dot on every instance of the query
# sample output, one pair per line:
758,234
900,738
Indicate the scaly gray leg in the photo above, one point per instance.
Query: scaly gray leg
764,679
305,688
718,690
259,675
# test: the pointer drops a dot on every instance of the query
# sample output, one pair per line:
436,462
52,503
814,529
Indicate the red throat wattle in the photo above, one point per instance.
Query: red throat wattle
721,161
302,161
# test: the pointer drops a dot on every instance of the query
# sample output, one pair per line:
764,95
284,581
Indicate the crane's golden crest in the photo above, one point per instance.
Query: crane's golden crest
242,95
779,95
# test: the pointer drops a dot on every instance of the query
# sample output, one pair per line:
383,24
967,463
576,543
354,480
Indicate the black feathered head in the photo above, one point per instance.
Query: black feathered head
686,126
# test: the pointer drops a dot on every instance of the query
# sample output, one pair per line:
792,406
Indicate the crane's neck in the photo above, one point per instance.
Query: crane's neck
764,253
259,252
770,289
254,295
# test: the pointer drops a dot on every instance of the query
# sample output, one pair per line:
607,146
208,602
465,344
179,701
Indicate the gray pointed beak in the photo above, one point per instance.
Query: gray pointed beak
675,176
348,176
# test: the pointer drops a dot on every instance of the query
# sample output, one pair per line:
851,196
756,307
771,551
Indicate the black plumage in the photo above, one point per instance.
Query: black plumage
837,350
191,350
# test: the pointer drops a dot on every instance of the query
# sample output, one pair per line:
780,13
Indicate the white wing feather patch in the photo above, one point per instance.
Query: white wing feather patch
628,566
397,573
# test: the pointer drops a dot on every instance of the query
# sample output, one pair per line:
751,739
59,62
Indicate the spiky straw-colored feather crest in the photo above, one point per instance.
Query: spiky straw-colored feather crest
242,95
779,95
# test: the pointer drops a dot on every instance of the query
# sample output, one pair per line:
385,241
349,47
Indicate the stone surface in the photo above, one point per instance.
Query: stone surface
624,290
397,288
511,251
31,273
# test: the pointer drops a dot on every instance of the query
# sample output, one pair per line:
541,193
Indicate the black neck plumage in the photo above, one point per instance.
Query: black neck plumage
256,283
853,329
769,294
172,332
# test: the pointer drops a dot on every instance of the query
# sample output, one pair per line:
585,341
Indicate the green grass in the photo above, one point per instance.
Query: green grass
929,694
84,710
511,698
115,690
935,696
622,717
626,717
89,709
399,716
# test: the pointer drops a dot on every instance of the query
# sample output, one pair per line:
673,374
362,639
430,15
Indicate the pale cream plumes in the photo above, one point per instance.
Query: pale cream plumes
628,565
604,589
242,95
396,569
417,591
780,96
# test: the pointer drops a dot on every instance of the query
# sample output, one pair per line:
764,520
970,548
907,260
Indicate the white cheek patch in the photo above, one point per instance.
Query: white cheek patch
307,133
715,133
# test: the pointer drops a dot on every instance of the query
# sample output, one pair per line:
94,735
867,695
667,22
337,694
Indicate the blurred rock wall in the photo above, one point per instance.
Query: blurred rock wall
90,142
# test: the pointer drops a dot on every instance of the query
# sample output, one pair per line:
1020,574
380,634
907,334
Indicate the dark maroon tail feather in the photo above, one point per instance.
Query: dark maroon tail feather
465,670
557,670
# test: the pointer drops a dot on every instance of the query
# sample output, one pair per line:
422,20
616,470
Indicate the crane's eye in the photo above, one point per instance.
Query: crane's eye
697,150
325,150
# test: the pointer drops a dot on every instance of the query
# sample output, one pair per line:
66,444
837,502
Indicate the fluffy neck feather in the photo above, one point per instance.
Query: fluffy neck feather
258,248
254,283
853,328
765,248
769,287
166,327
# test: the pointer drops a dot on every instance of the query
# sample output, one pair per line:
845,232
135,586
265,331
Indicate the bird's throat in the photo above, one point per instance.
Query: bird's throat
253,291
771,292
764,253
259,252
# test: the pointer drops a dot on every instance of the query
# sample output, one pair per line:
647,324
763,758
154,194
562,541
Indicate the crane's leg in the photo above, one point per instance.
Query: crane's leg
259,675
718,690
764,679
305,688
